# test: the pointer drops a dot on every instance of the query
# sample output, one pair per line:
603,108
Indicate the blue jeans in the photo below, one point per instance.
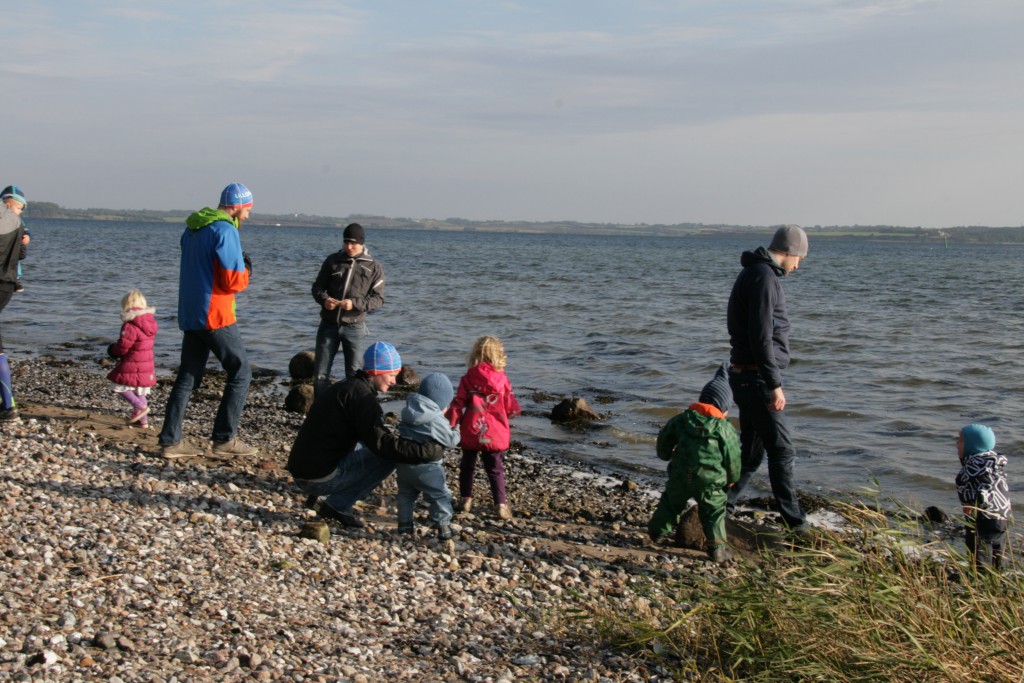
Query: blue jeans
428,479
196,345
328,337
763,429
356,475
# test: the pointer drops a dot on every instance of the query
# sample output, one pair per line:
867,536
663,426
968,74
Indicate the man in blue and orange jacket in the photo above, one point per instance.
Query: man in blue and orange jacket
213,269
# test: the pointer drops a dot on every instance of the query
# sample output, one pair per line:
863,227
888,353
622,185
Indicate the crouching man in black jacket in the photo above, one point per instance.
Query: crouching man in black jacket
343,451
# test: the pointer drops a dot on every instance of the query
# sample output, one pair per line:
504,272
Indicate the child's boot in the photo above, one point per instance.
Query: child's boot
406,527
721,553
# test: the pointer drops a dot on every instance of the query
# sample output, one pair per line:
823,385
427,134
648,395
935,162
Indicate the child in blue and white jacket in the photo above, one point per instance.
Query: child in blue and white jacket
423,420
984,493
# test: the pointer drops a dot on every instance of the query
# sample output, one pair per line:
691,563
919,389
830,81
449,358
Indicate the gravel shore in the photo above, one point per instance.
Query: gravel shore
120,565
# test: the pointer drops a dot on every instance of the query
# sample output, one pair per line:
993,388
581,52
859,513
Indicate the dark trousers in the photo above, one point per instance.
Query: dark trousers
494,465
985,538
763,430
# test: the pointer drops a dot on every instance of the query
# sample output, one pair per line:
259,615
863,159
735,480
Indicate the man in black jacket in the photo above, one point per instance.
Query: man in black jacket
759,335
350,284
343,451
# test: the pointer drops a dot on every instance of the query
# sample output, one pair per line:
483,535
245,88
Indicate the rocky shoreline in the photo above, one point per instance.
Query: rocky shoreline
120,565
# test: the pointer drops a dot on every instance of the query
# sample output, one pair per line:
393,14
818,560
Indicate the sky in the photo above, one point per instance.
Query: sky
742,112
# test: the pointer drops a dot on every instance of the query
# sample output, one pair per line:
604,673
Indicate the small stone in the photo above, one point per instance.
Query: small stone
318,531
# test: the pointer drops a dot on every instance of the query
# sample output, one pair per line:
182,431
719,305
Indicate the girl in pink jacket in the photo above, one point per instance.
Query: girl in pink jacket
135,372
482,406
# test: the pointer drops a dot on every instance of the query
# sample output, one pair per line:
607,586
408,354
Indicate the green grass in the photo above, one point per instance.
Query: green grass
855,607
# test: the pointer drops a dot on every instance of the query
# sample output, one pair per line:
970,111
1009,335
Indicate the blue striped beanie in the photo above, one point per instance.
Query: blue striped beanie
381,358
236,194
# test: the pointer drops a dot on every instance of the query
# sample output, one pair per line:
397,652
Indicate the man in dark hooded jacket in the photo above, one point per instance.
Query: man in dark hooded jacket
759,336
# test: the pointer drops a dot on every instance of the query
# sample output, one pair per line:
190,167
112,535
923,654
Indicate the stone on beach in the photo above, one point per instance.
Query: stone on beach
301,365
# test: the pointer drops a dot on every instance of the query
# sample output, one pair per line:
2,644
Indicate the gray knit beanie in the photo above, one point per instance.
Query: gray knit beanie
790,239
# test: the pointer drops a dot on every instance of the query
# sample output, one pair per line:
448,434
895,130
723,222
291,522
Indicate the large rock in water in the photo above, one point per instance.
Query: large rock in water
299,399
573,410
407,377
301,365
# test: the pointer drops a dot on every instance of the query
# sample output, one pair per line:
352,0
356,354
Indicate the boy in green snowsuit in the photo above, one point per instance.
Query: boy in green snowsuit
703,451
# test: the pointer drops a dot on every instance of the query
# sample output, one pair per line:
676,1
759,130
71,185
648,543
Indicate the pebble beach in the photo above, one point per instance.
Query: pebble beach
119,565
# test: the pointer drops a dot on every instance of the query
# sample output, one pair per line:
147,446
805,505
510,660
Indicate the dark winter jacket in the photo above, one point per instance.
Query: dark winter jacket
134,348
11,248
360,279
344,415
757,320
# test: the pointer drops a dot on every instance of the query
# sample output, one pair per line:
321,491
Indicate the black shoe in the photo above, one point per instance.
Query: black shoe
18,287
347,519
9,415
445,532
406,528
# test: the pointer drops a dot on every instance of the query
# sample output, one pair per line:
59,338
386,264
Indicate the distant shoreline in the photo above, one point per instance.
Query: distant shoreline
961,234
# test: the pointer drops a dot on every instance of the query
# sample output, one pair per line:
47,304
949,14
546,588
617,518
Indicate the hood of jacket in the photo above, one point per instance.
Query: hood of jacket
421,417
701,423
144,321
134,313
483,377
205,216
761,255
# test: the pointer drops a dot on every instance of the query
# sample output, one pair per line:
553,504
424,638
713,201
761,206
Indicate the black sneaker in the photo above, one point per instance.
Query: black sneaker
347,519
18,287
445,532
406,528
9,415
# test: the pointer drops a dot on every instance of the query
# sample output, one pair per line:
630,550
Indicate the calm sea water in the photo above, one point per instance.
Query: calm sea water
895,346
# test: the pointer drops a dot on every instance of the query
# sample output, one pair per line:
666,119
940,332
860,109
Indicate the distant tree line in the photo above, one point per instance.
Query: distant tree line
980,234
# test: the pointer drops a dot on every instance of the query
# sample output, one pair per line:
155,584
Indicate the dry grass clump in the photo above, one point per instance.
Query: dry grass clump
866,606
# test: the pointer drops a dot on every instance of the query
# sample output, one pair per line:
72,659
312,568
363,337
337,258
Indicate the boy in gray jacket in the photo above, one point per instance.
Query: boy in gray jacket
423,420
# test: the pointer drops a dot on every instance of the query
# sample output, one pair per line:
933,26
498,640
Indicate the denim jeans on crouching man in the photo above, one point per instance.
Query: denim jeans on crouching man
196,345
355,477
763,429
328,337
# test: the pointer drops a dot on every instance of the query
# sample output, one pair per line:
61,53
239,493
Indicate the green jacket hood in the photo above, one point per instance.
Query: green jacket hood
205,216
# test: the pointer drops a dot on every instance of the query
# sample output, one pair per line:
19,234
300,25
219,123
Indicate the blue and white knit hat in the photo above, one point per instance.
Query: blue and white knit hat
236,194
13,192
381,358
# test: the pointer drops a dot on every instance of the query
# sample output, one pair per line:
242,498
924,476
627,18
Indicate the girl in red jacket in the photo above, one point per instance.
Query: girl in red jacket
135,372
483,404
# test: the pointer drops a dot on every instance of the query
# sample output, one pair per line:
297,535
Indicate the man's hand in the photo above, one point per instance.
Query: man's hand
778,399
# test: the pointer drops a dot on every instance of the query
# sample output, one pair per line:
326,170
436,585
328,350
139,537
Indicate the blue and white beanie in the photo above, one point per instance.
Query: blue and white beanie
14,192
381,358
236,195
